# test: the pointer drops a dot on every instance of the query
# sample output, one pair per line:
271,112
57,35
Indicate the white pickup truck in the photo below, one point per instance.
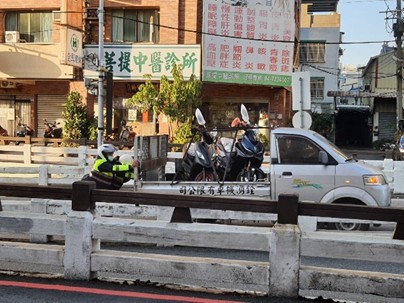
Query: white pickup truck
305,163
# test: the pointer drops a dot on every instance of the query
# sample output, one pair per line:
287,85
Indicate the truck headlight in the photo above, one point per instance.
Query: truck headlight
374,180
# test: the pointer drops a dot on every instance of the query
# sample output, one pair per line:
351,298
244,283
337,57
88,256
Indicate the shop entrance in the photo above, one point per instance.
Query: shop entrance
352,129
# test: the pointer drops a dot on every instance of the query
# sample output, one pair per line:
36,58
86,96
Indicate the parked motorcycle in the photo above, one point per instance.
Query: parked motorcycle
52,130
387,146
24,130
196,164
3,132
127,133
240,160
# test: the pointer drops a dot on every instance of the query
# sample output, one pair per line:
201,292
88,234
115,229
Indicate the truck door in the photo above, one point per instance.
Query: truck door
298,169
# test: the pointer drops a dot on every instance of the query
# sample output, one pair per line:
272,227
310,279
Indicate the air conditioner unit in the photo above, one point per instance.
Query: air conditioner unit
12,37
7,84
56,16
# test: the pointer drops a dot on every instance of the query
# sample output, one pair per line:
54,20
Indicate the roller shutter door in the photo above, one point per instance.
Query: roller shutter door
50,107
387,126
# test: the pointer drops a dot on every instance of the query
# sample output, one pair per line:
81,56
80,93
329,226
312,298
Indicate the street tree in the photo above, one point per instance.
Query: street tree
175,98
77,123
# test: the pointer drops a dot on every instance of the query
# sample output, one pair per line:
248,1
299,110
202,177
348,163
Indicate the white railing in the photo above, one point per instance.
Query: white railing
12,158
280,275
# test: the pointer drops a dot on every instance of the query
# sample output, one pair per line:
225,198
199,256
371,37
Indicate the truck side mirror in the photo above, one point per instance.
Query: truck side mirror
323,157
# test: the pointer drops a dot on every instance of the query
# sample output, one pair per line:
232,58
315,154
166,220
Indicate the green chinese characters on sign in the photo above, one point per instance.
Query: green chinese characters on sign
155,62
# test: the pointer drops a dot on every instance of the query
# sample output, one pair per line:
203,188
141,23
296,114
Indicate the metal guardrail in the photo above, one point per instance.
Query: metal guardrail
84,197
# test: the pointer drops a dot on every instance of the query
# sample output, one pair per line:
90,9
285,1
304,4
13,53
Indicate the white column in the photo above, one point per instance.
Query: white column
39,206
284,261
79,245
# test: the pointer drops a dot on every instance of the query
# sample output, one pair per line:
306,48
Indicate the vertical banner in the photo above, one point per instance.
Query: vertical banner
248,41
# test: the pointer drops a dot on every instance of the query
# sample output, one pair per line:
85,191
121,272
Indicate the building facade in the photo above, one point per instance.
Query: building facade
380,79
367,108
38,67
319,54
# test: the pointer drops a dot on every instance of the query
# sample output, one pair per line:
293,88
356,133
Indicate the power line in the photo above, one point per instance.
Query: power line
335,72
226,36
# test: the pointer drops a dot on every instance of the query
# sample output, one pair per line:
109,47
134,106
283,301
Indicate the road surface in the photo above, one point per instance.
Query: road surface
33,290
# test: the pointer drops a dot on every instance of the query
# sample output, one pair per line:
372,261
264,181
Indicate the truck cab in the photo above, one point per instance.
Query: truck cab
305,163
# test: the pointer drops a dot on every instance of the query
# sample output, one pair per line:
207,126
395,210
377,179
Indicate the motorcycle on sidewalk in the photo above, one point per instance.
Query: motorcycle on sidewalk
240,159
127,134
24,130
52,131
3,133
196,164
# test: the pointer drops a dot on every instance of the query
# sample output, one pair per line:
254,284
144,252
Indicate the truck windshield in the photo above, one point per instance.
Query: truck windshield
332,146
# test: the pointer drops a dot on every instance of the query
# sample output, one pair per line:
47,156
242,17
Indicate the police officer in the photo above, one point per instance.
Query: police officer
108,172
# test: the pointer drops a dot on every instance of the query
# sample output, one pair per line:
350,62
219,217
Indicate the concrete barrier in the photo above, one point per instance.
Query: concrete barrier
280,275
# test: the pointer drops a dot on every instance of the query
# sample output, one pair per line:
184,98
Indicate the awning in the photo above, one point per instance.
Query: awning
316,6
353,108
356,94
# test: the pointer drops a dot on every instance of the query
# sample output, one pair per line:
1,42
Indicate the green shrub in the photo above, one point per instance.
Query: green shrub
77,124
184,135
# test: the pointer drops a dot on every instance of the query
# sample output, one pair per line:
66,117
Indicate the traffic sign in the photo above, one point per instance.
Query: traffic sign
302,119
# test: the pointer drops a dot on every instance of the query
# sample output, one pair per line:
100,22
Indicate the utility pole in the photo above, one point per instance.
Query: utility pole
398,33
101,70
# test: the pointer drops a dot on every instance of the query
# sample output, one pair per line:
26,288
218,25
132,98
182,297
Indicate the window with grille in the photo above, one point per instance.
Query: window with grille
135,26
312,52
317,88
32,26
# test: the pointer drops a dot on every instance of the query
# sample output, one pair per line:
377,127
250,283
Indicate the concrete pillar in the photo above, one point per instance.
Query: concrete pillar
398,180
27,153
39,206
82,161
79,245
43,175
284,261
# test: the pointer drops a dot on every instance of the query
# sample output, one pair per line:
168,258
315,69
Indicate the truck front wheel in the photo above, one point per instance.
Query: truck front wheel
349,226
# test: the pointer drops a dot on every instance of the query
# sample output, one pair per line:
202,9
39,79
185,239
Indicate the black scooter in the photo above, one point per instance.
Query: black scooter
196,164
240,160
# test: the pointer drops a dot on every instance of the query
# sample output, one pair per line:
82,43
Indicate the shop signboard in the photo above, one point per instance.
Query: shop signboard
72,52
248,41
133,62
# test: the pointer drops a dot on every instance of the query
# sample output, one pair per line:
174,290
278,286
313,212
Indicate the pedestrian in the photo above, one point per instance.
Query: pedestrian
108,172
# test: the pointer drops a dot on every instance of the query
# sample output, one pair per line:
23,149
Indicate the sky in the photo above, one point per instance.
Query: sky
361,21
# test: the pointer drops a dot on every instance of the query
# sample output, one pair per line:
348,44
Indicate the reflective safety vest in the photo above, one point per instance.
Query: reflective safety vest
114,179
